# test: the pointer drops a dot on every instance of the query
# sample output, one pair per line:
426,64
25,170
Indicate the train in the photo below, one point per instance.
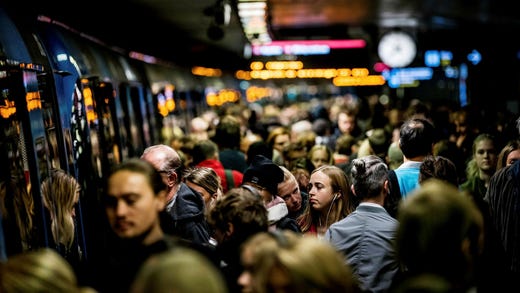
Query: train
72,102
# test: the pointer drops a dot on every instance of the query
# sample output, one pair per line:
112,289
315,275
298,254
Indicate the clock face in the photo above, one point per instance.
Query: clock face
397,49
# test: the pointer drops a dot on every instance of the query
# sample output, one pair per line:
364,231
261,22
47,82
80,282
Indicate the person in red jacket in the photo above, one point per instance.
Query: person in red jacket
205,154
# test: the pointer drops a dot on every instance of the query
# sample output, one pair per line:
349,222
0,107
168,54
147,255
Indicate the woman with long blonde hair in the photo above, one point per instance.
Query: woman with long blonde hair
60,194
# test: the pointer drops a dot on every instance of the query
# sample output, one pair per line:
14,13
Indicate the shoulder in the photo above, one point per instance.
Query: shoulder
288,223
186,192
187,197
237,173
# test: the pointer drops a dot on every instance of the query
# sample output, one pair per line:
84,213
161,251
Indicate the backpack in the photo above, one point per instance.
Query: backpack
229,179
393,199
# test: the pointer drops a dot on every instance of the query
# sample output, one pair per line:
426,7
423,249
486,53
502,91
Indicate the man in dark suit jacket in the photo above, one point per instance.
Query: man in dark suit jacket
184,212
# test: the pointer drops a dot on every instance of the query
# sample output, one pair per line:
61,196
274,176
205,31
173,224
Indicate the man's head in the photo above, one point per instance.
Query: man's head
439,225
135,194
264,175
289,191
204,150
237,215
347,121
416,138
167,162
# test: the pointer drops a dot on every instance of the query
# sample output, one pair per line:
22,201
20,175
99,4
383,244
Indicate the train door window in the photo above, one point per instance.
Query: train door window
23,151
130,121
141,114
104,128
153,116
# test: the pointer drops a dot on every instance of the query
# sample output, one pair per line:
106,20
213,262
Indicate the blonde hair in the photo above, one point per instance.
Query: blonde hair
42,270
321,147
206,178
60,192
435,222
16,201
311,265
193,272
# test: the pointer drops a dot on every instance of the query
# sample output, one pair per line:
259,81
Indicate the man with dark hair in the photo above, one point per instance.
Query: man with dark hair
365,237
416,139
227,136
235,217
134,196
205,154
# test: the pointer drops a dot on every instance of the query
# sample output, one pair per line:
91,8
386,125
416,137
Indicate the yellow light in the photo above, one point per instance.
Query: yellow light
204,71
89,105
257,65
33,101
359,80
8,110
170,105
294,69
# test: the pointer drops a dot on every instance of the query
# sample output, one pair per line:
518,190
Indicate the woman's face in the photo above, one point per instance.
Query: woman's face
281,141
513,157
320,191
320,158
485,155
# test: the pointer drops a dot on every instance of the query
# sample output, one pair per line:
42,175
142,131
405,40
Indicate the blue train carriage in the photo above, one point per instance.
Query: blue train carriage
106,108
25,156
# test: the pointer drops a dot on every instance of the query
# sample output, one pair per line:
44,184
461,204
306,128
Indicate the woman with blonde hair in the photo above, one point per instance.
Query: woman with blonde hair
206,182
284,261
60,194
42,270
320,155
278,138
17,216
193,273
330,200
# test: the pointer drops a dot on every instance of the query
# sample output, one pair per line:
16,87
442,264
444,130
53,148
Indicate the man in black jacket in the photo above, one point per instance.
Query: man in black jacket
184,212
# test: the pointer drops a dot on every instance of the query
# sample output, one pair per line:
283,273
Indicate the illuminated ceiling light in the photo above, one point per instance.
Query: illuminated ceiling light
223,13
253,15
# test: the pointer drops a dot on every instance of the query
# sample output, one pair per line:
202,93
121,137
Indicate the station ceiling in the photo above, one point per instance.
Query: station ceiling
177,30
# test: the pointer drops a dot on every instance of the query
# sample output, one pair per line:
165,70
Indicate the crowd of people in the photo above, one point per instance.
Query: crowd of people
330,196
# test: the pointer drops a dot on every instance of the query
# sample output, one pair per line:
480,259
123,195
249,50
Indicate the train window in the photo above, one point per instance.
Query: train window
106,108
23,150
130,119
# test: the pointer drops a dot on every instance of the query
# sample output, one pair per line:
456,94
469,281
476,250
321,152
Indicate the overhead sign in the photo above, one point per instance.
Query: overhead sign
398,77
305,47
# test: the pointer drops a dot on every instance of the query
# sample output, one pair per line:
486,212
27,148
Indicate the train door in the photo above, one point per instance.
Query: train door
132,103
153,116
25,158
80,131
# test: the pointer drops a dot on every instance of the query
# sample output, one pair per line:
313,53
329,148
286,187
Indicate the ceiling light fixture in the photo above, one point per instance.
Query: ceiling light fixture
253,16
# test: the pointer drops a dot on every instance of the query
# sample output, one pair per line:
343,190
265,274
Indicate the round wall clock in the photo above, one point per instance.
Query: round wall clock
397,49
